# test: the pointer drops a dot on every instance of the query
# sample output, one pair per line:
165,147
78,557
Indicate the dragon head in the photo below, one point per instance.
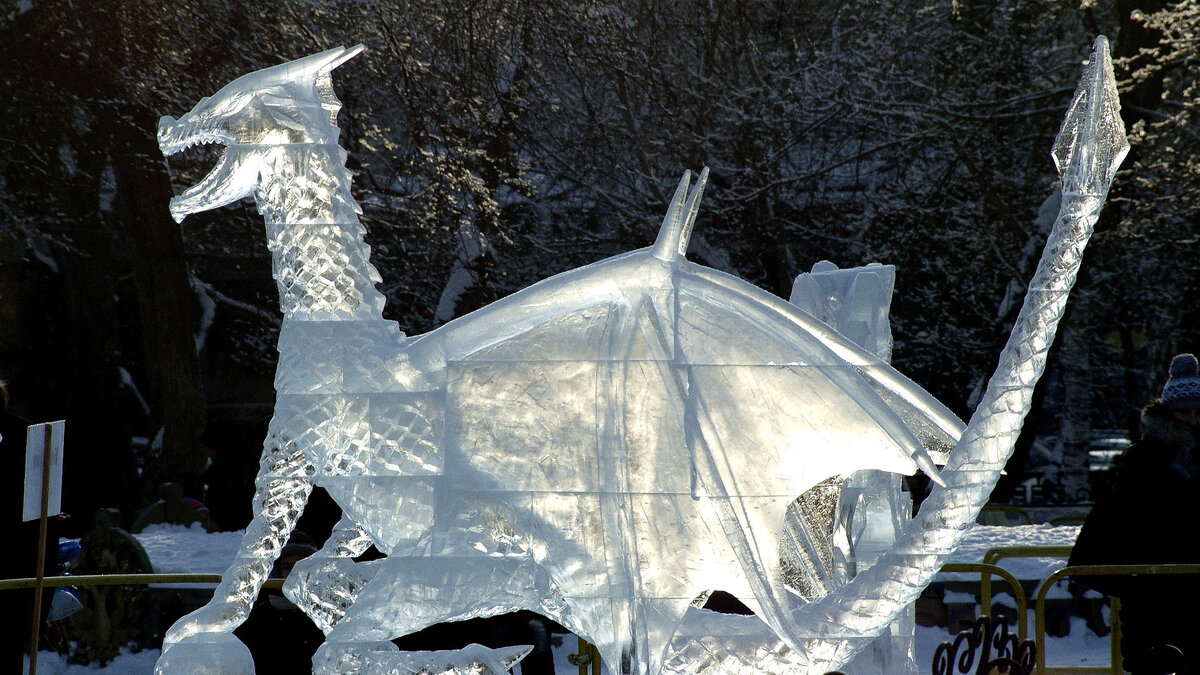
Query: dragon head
287,105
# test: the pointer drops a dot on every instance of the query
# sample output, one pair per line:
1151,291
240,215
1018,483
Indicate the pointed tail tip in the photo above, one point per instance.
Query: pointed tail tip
1100,60
1093,121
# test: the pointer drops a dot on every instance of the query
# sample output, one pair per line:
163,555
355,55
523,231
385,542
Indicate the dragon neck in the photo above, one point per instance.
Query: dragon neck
320,259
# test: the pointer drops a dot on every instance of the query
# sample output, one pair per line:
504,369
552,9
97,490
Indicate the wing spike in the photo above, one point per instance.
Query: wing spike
681,215
693,207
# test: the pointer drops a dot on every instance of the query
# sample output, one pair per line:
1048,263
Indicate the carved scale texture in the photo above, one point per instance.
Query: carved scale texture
321,260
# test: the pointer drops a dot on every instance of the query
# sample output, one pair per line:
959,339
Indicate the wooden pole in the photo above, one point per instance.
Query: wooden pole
41,560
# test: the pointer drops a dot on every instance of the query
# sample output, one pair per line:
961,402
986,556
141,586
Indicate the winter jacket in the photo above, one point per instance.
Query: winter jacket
1148,514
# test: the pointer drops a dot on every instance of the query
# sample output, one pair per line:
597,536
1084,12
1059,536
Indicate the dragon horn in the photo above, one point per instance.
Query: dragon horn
311,67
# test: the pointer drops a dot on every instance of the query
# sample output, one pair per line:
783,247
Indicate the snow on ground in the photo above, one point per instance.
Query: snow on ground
981,538
174,548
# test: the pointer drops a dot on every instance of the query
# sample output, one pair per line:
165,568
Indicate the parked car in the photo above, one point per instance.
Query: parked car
1040,478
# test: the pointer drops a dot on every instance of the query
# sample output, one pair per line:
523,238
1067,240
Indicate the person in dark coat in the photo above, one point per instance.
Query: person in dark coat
1148,517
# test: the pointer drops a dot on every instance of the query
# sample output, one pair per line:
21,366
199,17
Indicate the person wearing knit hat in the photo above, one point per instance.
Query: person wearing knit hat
1142,520
1181,393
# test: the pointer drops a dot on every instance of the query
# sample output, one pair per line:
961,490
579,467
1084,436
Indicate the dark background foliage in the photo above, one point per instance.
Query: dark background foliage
497,142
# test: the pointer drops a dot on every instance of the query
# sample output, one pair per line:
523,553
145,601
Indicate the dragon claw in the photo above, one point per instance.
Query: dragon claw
206,654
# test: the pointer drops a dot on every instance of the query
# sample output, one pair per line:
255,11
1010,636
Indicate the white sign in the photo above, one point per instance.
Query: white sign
43,442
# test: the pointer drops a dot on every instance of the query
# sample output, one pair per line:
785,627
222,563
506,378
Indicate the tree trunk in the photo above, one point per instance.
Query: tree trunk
166,303
99,469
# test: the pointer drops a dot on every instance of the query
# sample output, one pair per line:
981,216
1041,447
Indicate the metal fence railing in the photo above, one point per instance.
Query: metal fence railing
1039,612
124,580
987,569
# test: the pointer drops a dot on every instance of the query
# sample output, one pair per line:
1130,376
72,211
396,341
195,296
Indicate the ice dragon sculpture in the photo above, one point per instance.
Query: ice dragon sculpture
602,447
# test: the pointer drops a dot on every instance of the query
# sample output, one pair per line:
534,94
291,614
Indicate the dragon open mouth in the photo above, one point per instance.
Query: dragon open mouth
191,151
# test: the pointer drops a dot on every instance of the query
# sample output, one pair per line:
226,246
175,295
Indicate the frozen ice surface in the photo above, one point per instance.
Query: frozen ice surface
847,522
207,654
603,447
854,302
473,659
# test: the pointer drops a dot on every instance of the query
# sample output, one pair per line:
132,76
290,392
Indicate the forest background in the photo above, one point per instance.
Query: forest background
497,142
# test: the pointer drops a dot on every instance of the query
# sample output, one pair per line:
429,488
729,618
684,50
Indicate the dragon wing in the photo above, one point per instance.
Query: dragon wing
645,421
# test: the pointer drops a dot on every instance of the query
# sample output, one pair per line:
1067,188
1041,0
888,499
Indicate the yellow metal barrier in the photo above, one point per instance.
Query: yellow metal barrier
993,556
1039,612
588,658
985,571
39,583
122,580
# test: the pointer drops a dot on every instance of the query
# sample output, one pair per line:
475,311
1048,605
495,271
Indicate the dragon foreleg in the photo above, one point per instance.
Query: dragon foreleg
281,492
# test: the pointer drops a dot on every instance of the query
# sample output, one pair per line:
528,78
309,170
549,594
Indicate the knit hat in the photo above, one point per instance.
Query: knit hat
1182,390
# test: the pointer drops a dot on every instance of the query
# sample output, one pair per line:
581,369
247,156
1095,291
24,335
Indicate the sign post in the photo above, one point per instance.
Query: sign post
43,498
